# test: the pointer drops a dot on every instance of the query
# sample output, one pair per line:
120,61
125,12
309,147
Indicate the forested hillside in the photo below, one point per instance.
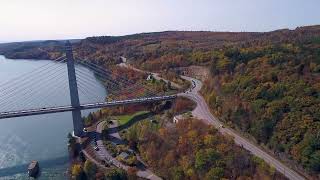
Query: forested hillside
263,84
266,85
193,150
272,92
32,50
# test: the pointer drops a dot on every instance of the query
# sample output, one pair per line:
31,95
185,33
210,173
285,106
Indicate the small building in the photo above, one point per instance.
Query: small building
114,143
150,77
180,117
131,152
123,156
176,119
123,59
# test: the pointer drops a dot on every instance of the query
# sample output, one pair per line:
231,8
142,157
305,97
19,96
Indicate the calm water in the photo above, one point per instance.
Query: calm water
44,137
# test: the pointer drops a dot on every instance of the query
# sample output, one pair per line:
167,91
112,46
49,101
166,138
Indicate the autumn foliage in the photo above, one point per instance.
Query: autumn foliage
182,105
193,150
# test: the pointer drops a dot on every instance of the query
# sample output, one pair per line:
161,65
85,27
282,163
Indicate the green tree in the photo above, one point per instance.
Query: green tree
177,173
314,162
116,174
90,169
169,85
77,172
215,173
212,156
200,161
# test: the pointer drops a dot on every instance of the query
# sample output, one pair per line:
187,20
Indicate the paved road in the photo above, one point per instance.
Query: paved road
104,154
202,112
155,75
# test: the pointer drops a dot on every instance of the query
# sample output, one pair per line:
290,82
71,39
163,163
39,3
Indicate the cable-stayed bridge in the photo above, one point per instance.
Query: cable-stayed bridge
120,90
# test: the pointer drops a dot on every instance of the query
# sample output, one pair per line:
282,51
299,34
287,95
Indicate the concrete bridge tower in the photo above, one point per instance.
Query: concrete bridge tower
78,123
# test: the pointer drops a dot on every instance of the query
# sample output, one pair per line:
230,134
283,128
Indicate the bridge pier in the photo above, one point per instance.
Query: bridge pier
78,123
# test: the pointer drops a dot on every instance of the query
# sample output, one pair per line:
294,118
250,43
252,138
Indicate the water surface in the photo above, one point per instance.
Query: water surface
43,137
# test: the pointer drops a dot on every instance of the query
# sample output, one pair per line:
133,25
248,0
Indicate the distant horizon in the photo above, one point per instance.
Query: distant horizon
80,38
77,19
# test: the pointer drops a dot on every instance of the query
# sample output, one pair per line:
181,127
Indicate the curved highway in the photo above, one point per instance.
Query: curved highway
103,153
147,174
202,112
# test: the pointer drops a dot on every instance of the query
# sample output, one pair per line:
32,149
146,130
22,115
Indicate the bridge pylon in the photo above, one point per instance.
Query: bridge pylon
78,123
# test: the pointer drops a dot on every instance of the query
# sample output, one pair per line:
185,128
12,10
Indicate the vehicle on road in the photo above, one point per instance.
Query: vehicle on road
105,163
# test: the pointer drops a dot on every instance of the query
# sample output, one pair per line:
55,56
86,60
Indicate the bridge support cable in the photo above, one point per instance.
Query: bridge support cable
35,80
50,93
25,83
44,84
91,92
24,88
90,96
26,77
102,75
108,74
128,83
27,92
113,90
110,89
85,95
43,101
87,82
85,77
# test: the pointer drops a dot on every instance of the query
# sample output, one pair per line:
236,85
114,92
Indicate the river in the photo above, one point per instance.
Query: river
43,137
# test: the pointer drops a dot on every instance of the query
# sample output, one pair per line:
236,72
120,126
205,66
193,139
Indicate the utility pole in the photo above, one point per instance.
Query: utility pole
78,123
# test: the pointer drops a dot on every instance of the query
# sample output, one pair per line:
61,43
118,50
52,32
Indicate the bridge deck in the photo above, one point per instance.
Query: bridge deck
51,110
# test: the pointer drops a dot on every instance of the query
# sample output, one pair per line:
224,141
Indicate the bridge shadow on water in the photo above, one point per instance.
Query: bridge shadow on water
23,168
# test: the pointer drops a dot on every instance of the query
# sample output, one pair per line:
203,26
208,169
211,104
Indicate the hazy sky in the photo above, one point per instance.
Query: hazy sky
59,19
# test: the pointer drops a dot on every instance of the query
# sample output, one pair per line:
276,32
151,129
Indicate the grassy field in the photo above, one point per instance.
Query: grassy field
126,118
